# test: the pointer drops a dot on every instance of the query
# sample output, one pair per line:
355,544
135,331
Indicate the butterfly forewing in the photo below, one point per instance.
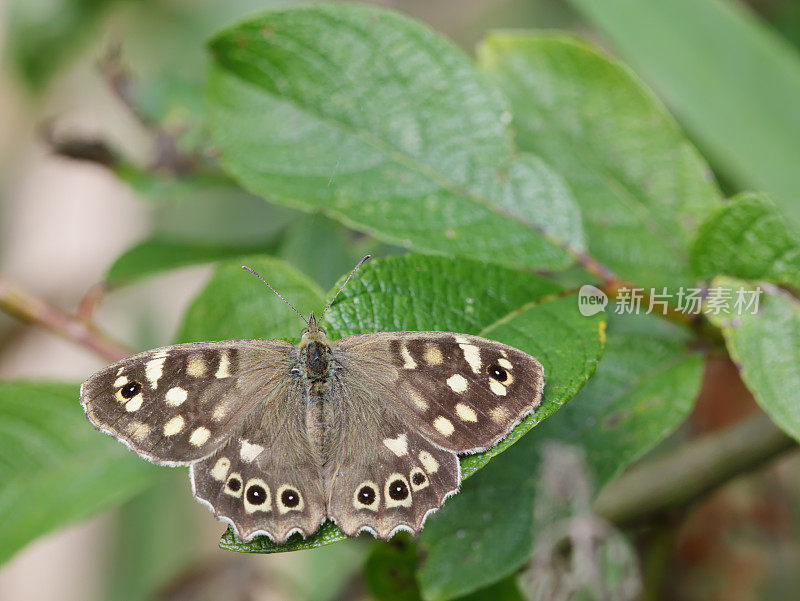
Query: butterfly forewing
177,404
463,393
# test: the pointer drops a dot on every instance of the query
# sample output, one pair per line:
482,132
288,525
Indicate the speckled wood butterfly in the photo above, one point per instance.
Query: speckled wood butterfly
279,437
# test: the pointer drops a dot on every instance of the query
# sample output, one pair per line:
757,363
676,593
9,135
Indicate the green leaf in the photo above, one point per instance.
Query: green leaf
380,123
54,468
750,238
644,387
389,575
390,568
732,81
766,348
236,305
643,189
416,292
157,254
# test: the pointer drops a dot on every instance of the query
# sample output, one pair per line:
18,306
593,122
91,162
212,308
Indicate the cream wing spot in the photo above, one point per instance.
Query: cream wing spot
249,451
432,355
121,381
220,411
418,401
444,425
176,396
466,413
497,388
429,462
462,340
220,470
472,355
398,446
199,436
135,403
174,426
457,383
500,414
154,369
505,363
138,430
224,369
196,366
408,360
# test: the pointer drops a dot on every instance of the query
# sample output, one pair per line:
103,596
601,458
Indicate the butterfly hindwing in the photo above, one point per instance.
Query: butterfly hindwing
179,403
382,475
463,393
267,478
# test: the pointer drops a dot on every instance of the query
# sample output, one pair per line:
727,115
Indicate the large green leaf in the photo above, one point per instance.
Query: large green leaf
642,187
728,77
749,238
644,387
379,122
415,292
766,347
54,468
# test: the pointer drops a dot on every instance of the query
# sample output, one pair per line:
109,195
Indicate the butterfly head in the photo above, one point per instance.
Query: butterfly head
313,331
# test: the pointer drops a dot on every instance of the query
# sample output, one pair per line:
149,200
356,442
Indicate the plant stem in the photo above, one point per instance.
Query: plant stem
25,306
692,470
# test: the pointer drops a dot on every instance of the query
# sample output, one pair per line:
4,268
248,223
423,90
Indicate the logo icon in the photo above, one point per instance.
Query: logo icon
591,300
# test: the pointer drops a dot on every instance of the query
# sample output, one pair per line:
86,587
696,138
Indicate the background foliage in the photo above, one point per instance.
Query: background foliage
489,189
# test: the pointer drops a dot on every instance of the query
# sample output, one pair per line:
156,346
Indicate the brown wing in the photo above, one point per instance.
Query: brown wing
463,393
267,479
401,406
178,404
381,474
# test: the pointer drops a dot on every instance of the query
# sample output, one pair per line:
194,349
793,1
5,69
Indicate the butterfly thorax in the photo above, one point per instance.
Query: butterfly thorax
315,351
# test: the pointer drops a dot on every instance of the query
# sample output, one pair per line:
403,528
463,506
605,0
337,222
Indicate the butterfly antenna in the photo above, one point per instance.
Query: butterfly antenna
291,306
360,263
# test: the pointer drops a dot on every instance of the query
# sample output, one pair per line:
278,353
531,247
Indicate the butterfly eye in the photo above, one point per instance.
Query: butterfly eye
366,496
497,372
398,490
130,390
418,479
290,498
234,484
256,495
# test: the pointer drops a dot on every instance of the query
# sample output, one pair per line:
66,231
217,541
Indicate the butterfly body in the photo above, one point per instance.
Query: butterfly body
363,430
